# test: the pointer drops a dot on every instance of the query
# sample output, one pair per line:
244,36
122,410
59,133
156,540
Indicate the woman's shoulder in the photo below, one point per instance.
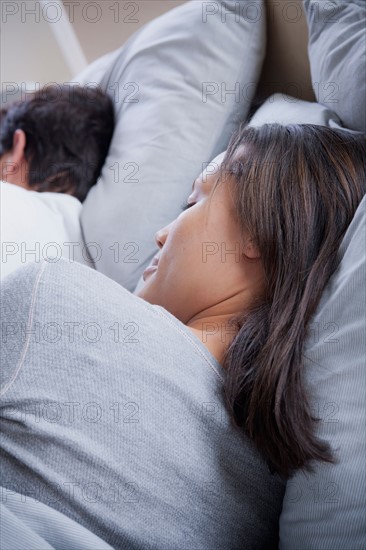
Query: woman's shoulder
77,282
48,303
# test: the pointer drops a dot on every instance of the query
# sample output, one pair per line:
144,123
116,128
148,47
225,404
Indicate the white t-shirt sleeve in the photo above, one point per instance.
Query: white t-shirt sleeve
36,226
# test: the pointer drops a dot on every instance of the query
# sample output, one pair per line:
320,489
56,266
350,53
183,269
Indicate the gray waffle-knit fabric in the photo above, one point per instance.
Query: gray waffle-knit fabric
28,524
113,414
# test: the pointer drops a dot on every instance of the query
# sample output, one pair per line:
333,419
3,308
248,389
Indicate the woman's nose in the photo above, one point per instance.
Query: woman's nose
160,236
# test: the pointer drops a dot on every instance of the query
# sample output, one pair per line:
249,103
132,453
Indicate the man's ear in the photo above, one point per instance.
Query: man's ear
17,154
13,163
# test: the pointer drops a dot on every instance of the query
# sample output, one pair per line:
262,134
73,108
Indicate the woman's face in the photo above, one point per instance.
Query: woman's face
201,271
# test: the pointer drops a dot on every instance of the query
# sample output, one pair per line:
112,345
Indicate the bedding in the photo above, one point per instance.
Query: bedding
35,226
179,94
130,417
337,52
285,109
326,510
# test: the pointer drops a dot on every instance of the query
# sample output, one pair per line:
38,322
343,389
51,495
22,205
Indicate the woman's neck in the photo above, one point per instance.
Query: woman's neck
216,333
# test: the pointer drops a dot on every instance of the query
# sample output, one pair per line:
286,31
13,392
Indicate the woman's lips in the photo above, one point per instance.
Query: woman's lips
148,270
152,267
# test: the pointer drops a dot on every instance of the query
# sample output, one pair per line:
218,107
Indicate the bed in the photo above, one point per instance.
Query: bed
179,93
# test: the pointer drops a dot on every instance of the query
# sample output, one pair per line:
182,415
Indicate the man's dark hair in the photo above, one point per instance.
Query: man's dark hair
68,131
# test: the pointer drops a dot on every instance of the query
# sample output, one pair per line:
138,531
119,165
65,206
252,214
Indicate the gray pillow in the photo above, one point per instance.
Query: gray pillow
337,51
182,85
326,510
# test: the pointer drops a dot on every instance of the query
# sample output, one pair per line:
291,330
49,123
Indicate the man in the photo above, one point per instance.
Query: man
57,139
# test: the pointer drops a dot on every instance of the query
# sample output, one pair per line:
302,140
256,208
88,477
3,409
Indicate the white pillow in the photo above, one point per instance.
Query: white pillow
182,84
37,226
285,109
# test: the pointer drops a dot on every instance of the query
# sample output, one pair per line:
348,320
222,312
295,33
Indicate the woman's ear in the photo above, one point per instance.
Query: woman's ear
250,250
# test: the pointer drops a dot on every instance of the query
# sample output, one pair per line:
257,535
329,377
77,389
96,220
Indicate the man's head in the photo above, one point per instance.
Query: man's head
57,139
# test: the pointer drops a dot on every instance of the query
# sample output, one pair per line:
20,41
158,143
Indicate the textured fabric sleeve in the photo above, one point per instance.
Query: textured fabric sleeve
17,302
28,523
116,411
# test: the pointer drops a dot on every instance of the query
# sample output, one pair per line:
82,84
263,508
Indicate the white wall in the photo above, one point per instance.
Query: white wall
29,51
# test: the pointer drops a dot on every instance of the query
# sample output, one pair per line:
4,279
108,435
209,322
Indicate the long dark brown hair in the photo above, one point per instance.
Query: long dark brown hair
297,188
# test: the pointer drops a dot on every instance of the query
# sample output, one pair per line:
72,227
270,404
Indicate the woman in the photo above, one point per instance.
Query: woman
288,195
139,428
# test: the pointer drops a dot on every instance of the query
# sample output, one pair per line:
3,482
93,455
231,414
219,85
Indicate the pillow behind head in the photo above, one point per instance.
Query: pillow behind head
181,86
326,509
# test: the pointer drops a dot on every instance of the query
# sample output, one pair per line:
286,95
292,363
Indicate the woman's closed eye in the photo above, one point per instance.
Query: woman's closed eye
186,205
